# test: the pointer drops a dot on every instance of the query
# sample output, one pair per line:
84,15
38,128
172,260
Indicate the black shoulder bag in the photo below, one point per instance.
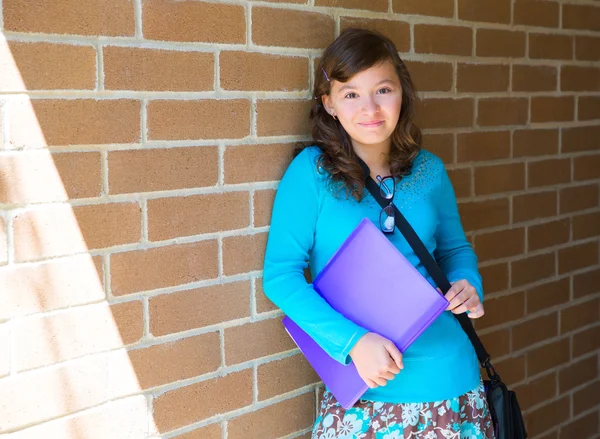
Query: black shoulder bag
503,404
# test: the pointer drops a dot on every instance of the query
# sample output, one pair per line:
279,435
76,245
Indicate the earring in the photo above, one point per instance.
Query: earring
334,117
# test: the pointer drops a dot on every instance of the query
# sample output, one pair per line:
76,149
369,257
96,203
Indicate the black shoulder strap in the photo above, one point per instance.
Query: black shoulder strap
429,263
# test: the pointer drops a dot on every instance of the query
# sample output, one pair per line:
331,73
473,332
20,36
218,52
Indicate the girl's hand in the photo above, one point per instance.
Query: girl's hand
377,359
463,297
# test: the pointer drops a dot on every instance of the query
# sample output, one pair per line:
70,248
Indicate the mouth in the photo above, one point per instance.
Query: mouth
372,124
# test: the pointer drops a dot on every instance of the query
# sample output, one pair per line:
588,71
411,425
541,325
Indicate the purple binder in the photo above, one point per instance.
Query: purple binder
371,283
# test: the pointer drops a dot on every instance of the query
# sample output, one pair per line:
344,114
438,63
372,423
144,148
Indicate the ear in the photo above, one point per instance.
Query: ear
326,99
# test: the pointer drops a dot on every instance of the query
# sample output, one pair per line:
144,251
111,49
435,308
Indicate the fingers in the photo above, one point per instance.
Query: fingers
469,304
396,356
456,288
477,312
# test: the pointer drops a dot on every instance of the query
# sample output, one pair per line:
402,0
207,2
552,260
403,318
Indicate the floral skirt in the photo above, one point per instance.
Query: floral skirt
463,417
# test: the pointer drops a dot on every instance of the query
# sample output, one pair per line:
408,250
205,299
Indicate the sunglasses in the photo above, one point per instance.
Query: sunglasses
387,219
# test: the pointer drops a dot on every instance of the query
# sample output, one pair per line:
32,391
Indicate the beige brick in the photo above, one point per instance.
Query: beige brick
194,21
552,109
443,40
578,198
397,31
503,43
246,163
162,267
586,225
501,244
536,13
85,17
548,295
263,207
80,121
577,257
162,169
79,173
375,5
480,78
548,234
494,11
548,172
532,269
442,145
69,282
430,76
548,356
499,178
487,145
259,71
444,113
177,360
586,341
207,119
197,308
291,28
193,403
587,283
282,376
4,350
499,310
479,215
587,48
3,243
534,78
534,142
585,17
283,118
550,46
535,205
197,214
580,138
293,415
45,66
589,107
128,68
129,319
580,78
495,278
255,340
438,8
502,111
534,331
536,391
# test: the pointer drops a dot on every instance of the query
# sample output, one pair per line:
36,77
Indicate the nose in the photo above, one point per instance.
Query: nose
370,105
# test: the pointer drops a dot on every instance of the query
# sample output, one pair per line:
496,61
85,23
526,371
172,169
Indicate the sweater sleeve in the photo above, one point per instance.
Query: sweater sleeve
453,252
291,238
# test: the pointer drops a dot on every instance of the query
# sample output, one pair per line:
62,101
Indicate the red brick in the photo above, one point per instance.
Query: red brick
532,269
263,206
547,416
397,31
502,244
534,142
512,369
129,319
461,182
585,284
283,118
479,215
548,234
497,343
502,111
443,40
85,17
197,214
484,145
494,11
577,198
548,172
586,398
263,303
441,145
255,340
282,376
577,316
291,28
534,331
548,356
207,119
79,173
580,138
499,178
587,48
444,113
550,46
189,404
45,66
252,246
431,76
579,78
292,415
584,427
536,13
586,225
495,278
194,21
502,43
503,309
535,205
547,295
534,78
578,373
480,78
197,308
586,341
577,257
160,267
536,391
212,431
589,107
552,109
438,8
162,169
375,5
586,17
246,163
127,68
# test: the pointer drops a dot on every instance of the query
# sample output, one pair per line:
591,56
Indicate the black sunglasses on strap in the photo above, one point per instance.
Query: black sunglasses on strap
387,217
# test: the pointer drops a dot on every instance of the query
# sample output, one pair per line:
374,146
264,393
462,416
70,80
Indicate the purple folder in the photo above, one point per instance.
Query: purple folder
371,283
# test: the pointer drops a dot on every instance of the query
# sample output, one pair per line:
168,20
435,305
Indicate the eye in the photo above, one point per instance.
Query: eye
351,95
384,90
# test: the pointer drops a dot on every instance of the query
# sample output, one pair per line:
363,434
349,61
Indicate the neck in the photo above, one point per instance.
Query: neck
375,156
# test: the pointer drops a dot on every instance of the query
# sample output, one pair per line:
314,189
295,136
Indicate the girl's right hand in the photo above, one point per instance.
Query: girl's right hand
377,359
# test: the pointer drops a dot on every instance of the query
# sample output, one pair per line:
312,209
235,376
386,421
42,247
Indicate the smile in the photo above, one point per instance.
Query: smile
372,124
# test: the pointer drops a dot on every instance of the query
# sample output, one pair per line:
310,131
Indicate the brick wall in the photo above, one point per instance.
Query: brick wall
141,144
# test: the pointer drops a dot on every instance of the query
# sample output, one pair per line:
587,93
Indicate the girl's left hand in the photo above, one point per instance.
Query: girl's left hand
463,297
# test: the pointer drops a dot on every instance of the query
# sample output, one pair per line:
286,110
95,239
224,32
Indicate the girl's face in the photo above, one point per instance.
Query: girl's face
368,105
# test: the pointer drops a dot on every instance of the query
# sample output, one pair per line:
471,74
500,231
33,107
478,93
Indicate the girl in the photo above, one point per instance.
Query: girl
363,108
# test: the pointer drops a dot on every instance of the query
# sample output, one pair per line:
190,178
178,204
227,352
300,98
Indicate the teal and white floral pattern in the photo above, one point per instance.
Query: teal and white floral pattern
464,417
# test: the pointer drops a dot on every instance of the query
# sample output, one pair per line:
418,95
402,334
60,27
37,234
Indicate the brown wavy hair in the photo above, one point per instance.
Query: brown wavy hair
354,51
